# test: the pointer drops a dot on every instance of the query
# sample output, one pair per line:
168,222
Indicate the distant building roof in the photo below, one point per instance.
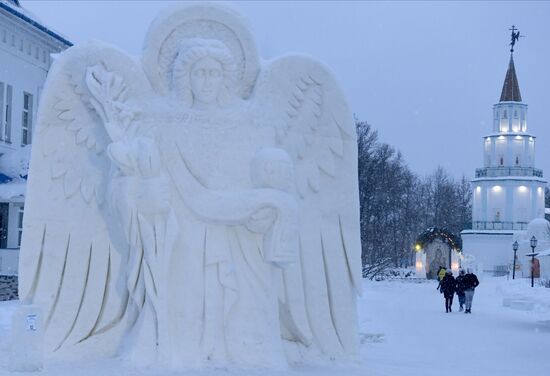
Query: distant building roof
13,7
510,89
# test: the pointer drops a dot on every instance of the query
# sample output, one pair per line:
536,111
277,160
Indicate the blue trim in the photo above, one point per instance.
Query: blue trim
4,178
36,24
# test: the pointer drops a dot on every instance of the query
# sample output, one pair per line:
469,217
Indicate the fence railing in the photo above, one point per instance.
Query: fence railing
498,225
488,172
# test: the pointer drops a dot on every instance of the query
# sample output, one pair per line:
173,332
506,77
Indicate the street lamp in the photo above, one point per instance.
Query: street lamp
533,246
515,247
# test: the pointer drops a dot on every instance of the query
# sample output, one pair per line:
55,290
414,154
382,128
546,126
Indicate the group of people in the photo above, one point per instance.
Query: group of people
464,286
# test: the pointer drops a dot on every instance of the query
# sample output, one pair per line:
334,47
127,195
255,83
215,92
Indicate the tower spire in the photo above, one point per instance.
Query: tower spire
510,89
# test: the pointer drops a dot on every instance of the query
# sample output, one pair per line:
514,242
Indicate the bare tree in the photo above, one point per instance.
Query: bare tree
397,205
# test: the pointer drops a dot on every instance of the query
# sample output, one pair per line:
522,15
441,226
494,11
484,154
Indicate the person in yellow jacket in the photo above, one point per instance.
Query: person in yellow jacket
440,275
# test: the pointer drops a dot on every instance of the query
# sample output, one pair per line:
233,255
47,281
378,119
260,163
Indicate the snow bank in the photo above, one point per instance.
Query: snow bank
404,331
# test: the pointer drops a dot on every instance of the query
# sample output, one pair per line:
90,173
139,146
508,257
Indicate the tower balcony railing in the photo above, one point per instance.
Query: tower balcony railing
498,225
491,172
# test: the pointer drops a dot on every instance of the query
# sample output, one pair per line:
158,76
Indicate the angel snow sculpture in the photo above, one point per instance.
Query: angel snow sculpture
195,207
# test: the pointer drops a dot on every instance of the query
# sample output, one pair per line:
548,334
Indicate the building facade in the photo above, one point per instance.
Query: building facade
508,191
26,48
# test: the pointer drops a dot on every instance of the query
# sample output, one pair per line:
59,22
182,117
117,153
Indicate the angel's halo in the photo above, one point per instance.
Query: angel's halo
198,20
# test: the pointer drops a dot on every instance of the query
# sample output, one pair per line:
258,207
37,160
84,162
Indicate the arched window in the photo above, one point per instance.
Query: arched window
501,160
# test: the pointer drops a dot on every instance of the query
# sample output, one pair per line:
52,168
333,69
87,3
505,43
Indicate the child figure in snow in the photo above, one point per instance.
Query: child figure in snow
448,285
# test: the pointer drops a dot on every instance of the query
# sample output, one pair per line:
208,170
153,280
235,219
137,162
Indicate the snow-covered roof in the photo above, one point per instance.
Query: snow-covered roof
13,191
14,8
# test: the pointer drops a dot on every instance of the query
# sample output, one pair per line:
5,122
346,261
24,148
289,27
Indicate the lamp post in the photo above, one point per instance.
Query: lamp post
533,246
515,247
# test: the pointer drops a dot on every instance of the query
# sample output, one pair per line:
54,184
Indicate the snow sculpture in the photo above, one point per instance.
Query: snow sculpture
195,207
27,340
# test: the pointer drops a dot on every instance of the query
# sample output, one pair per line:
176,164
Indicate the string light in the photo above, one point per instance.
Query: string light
433,233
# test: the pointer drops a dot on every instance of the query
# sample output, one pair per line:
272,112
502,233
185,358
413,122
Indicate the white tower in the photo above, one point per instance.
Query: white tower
508,192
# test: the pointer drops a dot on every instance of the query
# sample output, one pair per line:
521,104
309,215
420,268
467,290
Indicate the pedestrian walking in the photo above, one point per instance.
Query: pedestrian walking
460,287
440,275
470,284
448,285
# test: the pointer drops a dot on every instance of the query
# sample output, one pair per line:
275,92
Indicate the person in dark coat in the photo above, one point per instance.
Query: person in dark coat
470,284
460,287
448,285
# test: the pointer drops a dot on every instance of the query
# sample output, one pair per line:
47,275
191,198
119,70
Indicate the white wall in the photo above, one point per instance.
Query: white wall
517,199
515,150
489,249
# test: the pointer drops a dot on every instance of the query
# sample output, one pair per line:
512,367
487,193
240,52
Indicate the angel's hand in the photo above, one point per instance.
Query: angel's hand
108,100
261,220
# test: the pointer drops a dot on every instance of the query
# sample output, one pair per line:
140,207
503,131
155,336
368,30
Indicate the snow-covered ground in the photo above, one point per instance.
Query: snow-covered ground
404,332
417,337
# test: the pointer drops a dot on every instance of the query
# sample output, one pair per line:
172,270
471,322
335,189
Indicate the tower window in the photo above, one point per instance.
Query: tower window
517,160
501,161
504,115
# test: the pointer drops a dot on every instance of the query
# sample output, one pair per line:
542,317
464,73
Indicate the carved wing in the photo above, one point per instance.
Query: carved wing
72,264
312,122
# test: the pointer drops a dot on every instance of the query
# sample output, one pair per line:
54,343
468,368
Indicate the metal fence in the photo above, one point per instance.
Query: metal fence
489,172
499,225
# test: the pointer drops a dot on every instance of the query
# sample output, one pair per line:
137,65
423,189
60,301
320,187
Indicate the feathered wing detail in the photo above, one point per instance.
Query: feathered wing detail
74,272
313,123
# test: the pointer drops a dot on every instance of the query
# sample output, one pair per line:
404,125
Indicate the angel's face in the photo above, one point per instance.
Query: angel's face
206,80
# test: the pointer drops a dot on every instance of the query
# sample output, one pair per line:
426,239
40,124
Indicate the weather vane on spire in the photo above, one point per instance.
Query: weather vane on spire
514,37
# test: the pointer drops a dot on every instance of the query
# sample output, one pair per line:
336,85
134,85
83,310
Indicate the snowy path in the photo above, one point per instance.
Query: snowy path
421,339
405,332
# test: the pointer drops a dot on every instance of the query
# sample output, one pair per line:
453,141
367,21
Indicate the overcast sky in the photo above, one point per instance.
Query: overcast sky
425,74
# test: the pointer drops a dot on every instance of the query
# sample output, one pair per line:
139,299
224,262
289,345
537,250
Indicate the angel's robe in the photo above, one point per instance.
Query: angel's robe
222,299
